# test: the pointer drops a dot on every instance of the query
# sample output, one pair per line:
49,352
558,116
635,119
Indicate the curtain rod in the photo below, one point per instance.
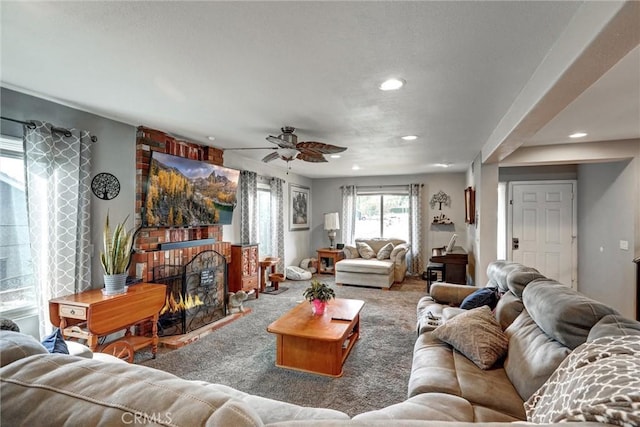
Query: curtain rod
32,125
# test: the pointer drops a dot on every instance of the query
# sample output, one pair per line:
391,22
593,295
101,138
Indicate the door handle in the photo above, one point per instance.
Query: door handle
515,243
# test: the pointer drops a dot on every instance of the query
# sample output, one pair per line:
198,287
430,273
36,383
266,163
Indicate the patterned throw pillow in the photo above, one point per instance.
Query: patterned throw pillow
385,251
350,252
365,250
477,335
598,382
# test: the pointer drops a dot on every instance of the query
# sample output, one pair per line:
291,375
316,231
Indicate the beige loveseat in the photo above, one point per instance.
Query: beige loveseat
373,268
559,341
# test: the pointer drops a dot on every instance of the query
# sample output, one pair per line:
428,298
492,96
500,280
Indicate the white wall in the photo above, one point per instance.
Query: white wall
482,236
296,243
327,197
607,205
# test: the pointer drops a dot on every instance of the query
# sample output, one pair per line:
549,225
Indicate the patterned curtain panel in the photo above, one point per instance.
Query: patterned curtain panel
348,214
416,266
248,207
277,221
58,197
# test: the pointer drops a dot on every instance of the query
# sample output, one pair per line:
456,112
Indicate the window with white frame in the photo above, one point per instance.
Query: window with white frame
382,213
264,220
17,282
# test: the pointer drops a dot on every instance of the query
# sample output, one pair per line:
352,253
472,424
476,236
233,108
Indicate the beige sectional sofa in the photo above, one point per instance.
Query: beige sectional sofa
376,270
557,340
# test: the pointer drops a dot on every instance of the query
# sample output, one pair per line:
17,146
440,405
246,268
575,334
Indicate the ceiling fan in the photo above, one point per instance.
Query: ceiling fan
288,148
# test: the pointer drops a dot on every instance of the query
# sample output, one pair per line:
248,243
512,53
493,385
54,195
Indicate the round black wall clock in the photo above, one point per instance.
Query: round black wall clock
105,186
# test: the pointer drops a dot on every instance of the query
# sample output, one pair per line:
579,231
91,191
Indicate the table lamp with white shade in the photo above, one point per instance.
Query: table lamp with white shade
331,224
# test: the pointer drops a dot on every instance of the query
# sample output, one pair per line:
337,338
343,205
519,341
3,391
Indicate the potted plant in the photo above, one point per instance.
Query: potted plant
116,256
318,294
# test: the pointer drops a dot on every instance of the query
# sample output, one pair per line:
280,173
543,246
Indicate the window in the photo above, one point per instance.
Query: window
17,283
264,220
382,215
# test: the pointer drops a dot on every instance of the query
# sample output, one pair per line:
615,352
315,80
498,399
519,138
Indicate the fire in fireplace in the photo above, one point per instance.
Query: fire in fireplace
195,293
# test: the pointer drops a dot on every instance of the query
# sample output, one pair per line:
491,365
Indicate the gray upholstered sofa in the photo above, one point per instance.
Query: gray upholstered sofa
375,270
559,341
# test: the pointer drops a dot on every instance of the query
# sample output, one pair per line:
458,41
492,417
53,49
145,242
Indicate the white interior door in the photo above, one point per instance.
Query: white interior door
543,228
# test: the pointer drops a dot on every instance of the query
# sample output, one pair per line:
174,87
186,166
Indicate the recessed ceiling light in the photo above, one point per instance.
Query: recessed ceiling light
335,156
392,84
355,167
578,135
442,165
211,138
410,137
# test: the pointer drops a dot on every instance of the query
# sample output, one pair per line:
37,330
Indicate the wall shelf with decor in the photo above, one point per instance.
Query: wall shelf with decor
442,219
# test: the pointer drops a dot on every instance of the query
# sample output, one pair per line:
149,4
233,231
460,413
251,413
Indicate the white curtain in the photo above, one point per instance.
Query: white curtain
416,263
248,207
58,172
277,221
348,214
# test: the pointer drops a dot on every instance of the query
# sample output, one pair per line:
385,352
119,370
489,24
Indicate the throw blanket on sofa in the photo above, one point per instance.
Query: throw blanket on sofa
599,381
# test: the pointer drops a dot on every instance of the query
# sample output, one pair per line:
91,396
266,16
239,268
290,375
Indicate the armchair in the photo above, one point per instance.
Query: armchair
373,263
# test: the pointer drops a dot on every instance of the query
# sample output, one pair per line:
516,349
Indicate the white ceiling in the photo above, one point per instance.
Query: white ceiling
241,70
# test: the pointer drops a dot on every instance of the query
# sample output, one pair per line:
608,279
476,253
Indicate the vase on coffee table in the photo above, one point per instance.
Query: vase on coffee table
318,294
318,307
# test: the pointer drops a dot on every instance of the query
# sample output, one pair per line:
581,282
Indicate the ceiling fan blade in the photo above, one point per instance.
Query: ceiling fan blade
311,157
250,148
319,147
271,156
280,142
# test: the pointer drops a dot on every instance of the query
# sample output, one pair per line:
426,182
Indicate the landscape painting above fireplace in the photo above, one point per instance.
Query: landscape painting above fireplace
184,192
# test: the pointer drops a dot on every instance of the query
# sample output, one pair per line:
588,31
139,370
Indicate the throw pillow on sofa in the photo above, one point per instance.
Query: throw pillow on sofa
484,296
54,343
350,252
597,382
385,251
477,335
365,250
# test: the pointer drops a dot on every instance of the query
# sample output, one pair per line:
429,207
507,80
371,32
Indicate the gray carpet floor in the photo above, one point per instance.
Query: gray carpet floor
242,353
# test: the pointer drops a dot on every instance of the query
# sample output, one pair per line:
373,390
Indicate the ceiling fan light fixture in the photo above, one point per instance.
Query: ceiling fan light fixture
335,156
287,153
578,135
392,84
211,138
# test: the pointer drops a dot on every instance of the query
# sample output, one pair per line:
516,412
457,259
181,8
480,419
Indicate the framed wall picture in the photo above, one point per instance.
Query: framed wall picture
469,205
299,207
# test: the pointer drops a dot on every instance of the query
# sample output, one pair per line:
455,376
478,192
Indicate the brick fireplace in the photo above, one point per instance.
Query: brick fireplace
153,263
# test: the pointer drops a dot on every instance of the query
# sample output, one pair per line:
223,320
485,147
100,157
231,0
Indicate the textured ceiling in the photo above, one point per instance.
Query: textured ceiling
241,70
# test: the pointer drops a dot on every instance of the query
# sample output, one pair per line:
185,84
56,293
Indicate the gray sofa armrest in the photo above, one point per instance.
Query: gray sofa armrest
449,293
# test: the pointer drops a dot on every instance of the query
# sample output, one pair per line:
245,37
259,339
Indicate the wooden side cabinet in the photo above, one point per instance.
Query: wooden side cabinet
244,269
327,259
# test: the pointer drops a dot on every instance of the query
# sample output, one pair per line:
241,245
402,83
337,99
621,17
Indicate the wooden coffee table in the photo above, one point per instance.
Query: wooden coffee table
317,344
